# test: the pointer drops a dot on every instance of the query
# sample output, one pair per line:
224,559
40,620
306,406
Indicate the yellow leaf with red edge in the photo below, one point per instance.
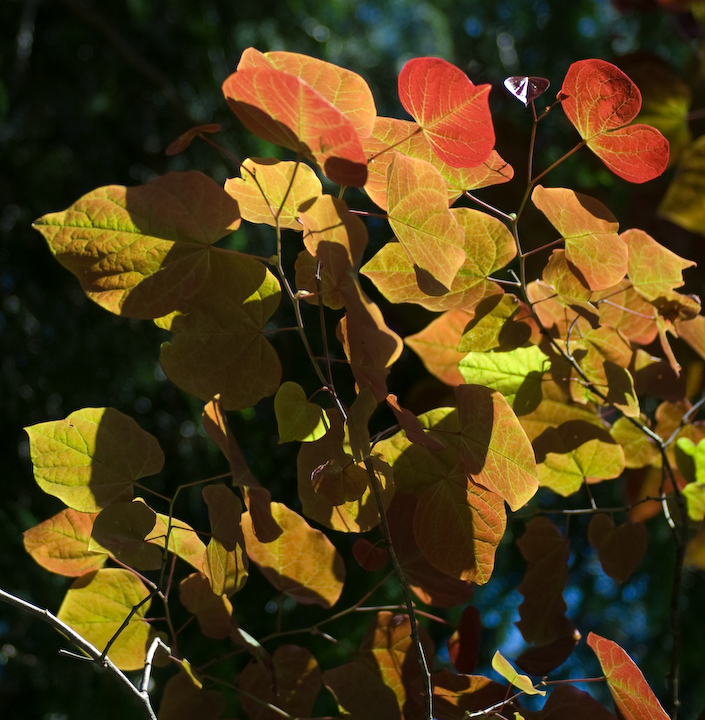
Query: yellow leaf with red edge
92,458
589,229
287,111
453,113
97,604
601,101
301,562
631,692
271,190
219,345
60,544
141,251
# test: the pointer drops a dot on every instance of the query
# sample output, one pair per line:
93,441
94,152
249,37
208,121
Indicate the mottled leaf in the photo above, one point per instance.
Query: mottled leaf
92,458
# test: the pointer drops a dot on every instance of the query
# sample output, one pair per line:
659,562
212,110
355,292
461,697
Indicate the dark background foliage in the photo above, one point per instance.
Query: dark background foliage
91,94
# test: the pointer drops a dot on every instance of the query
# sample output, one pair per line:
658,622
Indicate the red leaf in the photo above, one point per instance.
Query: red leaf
369,556
464,643
600,100
453,113
287,111
631,692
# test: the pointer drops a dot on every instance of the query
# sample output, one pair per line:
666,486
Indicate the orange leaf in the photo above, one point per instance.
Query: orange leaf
185,139
301,562
453,113
410,424
287,111
600,100
590,233
631,692
60,544
213,612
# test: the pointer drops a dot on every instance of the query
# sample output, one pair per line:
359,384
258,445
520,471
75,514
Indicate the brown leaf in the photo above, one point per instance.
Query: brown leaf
620,549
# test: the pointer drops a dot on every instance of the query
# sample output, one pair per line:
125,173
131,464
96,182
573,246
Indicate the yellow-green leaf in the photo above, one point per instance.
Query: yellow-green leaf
297,418
507,671
92,458
141,251
98,603
183,540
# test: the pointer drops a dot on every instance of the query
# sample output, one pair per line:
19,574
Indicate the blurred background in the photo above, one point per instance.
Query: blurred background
91,94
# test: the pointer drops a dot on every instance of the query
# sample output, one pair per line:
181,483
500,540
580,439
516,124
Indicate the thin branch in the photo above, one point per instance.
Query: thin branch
84,645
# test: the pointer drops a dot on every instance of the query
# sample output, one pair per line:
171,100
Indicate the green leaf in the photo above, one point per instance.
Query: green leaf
507,671
183,540
697,455
92,458
142,251
219,345
297,418
497,323
517,374
98,603
120,530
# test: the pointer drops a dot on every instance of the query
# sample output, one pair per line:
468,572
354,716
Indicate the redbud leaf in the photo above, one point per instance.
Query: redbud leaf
60,544
639,451
410,424
218,344
301,562
600,100
368,556
567,701
464,643
590,233
455,696
500,322
340,484
97,604
620,549
286,110
183,540
682,204
225,562
360,692
269,188
297,417
92,458
507,671
120,531
631,693
213,612
453,113
184,699
141,251
185,139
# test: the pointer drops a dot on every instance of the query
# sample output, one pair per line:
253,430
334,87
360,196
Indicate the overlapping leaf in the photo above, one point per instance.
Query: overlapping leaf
500,322
360,692
457,696
390,136
620,549
142,251
272,191
631,693
183,540
219,345
120,530
92,458
590,233
601,101
427,230
97,604
301,562
225,562
213,612
286,110
453,113
60,544
185,699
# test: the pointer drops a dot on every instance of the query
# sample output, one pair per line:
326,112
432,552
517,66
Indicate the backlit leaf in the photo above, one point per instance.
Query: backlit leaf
542,611
631,693
495,450
183,699
600,100
120,530
500,321
569,285
269,187
183,540
507,671
517,374
455,695
60,544
590,233
97,604
218,344
142,251
639,451
540,660
404,137
92,458
257,498
297,418
410,424
452,112
575,452
654,270
682,204
293,686
301,562
212,611
360,693
427,230
620,549
287,111
339,484
225,561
